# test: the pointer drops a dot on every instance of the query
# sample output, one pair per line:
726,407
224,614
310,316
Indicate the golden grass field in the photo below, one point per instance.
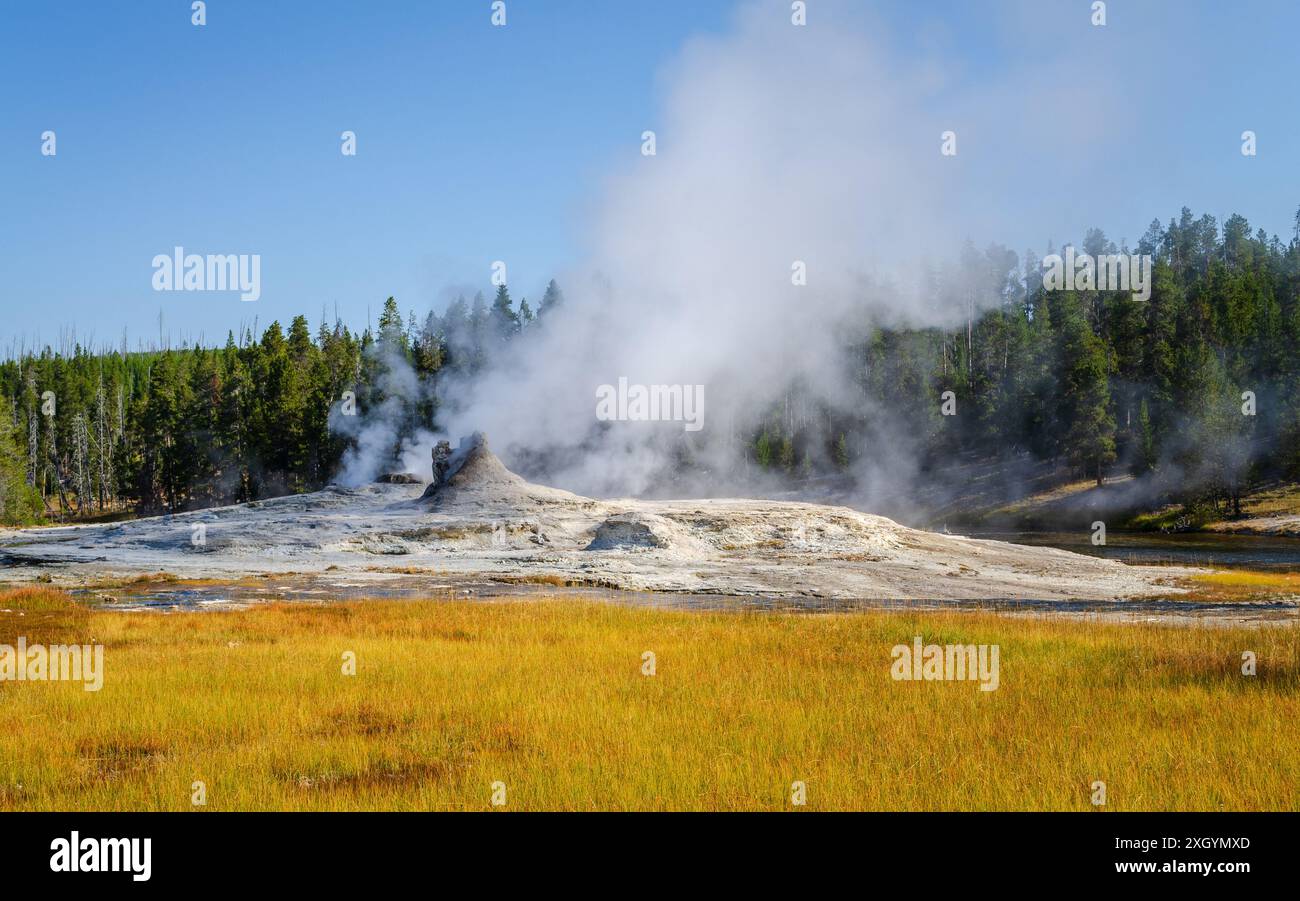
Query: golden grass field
548,697
1231,586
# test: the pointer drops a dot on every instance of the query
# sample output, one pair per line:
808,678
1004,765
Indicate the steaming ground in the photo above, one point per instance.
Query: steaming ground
486,522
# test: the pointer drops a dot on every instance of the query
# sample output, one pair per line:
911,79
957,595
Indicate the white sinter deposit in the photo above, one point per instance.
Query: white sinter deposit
481,520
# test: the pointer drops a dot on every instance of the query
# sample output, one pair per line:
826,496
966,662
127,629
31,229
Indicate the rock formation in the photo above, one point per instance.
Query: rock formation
479,520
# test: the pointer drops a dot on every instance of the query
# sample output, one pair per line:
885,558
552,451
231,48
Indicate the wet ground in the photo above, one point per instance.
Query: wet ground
168,596
1197,549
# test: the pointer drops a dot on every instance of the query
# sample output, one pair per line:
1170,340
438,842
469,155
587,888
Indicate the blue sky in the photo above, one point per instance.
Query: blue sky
478,143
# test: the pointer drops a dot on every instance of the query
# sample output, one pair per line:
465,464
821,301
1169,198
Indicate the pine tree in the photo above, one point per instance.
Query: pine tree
392,335
505,321
20,502
842,452
787,457
1146,443
479,323
554,297
1089,440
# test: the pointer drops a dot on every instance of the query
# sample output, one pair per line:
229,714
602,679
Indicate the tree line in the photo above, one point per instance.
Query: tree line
91,433
1196,390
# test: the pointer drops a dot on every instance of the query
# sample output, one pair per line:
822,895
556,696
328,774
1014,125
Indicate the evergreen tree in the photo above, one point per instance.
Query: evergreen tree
505,321
1089,439
554,297
20,502
1047,377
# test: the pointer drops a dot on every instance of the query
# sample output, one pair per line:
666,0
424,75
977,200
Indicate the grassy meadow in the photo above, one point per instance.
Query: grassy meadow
1240,586
549,698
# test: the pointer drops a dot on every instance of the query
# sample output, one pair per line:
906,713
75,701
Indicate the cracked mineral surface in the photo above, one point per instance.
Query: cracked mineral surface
481,520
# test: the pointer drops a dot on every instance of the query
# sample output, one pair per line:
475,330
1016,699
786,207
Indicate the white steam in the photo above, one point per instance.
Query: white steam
382,438
778,145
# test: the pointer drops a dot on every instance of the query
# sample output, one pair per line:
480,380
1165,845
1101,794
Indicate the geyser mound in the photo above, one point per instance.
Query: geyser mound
645,531
473,466
478,520
472,477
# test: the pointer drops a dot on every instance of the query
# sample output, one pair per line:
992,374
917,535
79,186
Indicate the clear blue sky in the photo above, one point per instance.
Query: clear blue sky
478,143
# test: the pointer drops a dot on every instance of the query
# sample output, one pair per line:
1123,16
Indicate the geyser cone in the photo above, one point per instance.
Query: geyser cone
474,476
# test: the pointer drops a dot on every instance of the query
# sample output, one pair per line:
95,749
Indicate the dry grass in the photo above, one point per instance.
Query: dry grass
1274,500
553,579
25,601
1242,585
1064,491
549,698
